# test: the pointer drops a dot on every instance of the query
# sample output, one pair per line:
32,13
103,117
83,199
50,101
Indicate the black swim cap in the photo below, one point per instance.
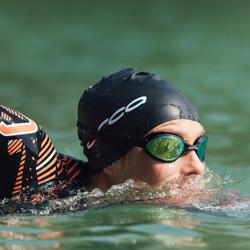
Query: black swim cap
122,108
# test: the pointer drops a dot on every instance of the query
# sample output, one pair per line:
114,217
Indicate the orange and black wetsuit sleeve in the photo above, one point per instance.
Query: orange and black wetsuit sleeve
28,158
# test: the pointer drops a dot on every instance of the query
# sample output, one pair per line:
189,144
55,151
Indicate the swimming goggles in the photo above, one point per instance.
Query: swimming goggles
169,147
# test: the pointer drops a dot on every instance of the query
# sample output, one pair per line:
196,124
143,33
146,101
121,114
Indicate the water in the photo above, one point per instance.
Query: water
51,51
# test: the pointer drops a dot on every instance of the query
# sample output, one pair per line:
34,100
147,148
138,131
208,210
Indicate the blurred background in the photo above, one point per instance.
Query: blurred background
50,51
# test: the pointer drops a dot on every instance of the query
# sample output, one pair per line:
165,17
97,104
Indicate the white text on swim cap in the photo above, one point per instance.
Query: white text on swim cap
118,114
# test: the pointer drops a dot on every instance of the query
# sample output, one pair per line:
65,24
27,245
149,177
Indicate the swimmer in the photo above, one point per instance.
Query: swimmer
131,124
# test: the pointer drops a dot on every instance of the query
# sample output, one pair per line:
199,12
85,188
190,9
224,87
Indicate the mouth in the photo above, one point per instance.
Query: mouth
192,185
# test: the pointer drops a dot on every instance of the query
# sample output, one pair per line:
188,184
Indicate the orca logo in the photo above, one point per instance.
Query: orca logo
118,114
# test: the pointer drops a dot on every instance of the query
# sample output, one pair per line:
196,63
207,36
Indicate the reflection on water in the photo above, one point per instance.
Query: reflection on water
129,226
148,225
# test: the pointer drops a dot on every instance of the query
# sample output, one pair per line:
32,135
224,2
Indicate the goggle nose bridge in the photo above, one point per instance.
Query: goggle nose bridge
191,147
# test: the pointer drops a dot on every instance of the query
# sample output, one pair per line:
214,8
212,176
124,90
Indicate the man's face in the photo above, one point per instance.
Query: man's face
141,167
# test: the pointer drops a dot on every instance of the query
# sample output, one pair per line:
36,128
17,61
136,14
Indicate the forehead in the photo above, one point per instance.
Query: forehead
187,129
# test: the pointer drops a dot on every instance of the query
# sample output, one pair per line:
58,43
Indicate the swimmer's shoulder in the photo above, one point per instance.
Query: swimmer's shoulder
17,145
28,158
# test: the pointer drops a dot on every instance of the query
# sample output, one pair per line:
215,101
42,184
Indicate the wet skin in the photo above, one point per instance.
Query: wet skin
141,167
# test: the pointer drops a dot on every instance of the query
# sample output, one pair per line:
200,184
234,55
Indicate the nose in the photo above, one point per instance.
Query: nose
192,164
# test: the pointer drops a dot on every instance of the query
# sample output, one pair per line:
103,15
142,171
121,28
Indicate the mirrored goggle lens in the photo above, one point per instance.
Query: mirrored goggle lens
202,145
165,147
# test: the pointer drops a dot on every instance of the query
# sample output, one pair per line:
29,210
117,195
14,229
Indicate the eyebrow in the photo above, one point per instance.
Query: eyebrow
183,136
178,132
199,136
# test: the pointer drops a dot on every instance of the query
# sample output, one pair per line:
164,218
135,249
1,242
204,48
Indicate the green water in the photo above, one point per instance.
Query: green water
51,50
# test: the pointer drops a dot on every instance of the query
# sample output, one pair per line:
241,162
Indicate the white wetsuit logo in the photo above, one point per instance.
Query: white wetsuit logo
118,114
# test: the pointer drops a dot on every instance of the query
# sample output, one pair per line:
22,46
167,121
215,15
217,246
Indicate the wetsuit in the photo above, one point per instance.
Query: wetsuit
28,158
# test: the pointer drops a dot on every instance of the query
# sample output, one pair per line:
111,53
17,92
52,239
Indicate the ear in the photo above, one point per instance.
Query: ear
108,170
113,168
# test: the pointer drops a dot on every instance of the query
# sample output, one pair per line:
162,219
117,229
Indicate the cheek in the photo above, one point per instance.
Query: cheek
154,172
163,171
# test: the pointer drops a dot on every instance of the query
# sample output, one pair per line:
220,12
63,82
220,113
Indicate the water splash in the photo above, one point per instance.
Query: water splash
195,192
